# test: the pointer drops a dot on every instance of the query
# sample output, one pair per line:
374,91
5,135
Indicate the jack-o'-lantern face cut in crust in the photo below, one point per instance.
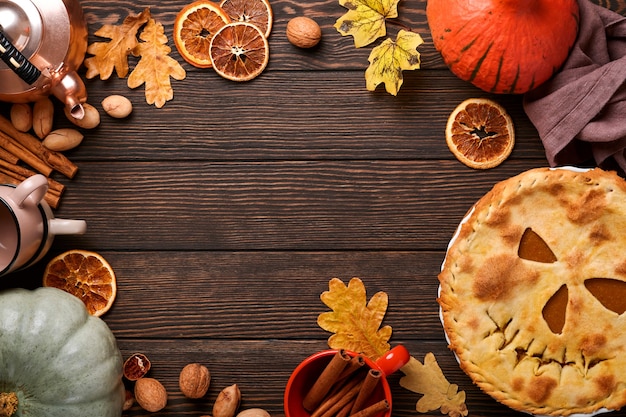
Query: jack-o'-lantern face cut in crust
533,292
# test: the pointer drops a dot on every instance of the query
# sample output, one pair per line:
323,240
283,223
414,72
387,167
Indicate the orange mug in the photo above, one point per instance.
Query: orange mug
309,370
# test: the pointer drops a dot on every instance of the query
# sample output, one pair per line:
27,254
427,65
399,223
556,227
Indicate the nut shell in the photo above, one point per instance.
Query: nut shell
303,32
227,402
194,380
22,116
117,106
136,366
63,139
253,412
150,394
90,120
43,117
129,400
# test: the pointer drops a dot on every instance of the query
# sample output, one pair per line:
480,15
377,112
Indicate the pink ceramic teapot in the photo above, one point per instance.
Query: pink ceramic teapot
42,44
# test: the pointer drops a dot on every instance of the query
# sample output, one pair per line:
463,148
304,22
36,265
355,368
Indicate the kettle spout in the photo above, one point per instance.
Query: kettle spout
71,90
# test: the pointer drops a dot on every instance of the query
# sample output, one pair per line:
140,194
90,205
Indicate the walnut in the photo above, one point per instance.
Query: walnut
194,380
150,394
303,32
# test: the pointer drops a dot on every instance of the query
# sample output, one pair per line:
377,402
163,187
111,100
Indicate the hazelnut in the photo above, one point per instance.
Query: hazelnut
227,402
303,32
136,366
194,380
150,394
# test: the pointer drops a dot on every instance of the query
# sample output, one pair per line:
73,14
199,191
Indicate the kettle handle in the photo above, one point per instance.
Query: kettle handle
16,61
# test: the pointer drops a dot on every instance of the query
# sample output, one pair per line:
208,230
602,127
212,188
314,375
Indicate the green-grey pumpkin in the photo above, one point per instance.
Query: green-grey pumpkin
55,358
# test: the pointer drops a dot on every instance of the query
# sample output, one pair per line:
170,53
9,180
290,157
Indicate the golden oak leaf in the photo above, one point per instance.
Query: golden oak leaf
365,19
389,59
114,54
155,67
438,393
354,321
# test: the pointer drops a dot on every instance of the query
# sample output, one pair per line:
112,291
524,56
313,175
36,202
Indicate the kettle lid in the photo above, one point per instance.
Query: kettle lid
22,24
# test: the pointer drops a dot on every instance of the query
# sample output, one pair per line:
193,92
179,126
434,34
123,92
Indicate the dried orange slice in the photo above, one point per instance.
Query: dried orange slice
194,27
480,133
239,51
257,12
85,274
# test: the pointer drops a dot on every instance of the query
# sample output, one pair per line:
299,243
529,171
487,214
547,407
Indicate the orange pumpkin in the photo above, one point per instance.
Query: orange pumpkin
503,46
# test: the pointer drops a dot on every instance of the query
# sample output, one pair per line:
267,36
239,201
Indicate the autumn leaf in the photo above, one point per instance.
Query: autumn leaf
428,379
389,59
365,19
114,54
354,321
155,67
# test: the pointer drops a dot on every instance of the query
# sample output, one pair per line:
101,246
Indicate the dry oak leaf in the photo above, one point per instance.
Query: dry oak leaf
428,379
354,321
365,19
114,54
389,59
155,66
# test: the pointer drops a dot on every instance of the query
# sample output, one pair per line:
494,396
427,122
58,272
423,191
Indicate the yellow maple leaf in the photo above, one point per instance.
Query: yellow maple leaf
354,321
389,59
114,54
428,379
155,67
365,19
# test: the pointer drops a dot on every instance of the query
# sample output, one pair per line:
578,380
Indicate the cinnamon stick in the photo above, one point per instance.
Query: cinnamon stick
326,380
373,409
8,143
56,160
369,384
356,363
345,411
333,398
8,156
21,173
51,198
343,400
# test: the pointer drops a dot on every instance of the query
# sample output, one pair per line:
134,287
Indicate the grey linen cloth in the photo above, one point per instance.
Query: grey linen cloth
580,113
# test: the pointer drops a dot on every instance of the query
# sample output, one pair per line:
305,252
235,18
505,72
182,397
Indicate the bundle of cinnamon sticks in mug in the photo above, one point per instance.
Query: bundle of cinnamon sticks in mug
344,388
19,147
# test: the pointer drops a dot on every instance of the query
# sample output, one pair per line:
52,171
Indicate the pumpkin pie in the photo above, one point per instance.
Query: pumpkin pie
533,292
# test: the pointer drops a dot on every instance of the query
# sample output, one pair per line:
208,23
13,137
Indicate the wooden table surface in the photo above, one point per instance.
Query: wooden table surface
226,212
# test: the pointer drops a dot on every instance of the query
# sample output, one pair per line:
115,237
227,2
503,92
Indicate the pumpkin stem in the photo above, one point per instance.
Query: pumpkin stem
8,404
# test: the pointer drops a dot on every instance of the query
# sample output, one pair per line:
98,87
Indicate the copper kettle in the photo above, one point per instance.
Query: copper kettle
42,44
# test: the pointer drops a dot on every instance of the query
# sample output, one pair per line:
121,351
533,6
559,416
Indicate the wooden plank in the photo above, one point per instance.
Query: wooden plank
256,295
311,117
226,212
309,205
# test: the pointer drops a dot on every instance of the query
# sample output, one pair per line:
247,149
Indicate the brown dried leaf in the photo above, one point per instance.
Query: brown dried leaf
114,54
428,379
355,322
155,66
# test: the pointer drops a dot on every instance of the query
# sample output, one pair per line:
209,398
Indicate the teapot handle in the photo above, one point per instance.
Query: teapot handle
16,61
